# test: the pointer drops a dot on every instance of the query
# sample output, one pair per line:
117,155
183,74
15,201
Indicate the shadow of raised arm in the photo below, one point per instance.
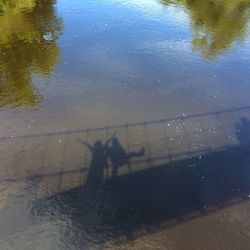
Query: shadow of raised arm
86,144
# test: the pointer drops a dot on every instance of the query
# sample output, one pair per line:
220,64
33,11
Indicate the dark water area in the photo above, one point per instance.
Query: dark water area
124,124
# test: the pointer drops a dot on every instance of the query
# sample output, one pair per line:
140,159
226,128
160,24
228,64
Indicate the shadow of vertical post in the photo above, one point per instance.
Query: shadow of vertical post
166,138
85,156
186,139
107,167
63,162
149,159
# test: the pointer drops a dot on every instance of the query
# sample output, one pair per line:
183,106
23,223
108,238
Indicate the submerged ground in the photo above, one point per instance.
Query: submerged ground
165,84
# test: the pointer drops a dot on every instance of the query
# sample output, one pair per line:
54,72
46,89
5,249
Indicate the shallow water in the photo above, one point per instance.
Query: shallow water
170,80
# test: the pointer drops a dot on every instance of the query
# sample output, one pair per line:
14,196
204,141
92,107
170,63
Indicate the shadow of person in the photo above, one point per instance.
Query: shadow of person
99,162
243,132
91,197
119,157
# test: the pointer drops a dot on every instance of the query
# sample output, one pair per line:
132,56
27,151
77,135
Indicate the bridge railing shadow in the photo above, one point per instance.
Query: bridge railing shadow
178,169
56,162
134,204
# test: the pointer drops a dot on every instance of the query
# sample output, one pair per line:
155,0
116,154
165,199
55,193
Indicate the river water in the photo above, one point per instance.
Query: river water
124,124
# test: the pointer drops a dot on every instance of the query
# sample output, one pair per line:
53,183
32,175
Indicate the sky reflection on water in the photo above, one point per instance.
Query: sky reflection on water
116,37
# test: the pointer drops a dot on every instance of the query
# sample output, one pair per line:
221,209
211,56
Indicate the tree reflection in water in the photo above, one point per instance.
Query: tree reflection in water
216,24
28,33
29,30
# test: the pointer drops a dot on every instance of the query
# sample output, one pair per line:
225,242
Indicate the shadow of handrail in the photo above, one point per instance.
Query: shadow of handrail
183,117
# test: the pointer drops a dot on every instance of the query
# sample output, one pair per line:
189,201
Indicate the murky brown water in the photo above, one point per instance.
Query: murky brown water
165,84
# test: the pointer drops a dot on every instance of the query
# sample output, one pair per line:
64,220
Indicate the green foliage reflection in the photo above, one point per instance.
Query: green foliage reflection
28,33
217,24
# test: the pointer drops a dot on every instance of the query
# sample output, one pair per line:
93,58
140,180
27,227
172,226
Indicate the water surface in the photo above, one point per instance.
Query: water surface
171,77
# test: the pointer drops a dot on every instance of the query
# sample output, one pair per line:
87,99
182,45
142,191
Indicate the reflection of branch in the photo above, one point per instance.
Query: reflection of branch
214,35
20,24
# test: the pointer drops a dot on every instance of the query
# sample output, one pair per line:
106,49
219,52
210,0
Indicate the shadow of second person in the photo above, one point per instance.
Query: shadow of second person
119,156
